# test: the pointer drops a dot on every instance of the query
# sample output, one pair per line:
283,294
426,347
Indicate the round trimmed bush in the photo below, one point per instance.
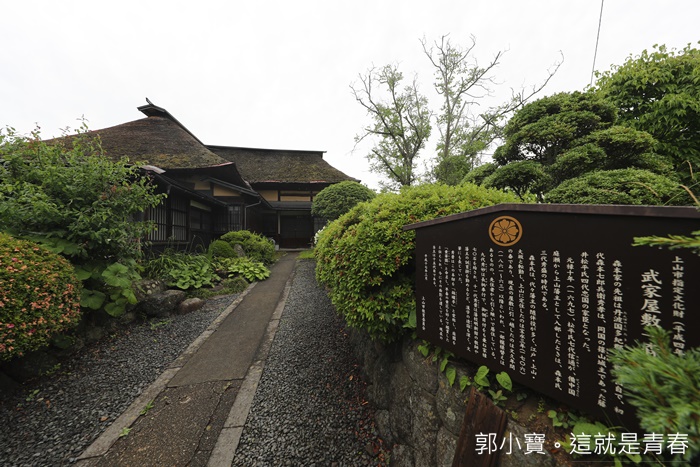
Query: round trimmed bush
255,246
337,199
221,249
39,296
366,258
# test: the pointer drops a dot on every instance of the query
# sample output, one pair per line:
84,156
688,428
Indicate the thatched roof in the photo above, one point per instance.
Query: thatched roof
157,141
281,165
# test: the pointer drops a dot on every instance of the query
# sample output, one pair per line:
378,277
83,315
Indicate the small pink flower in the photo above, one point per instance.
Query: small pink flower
10,325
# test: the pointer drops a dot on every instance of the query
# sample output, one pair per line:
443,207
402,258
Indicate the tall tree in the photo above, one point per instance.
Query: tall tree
659,92
568,136
400,124
466,129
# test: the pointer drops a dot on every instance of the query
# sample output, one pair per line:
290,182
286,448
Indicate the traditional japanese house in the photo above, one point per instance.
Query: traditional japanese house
287,182
216,189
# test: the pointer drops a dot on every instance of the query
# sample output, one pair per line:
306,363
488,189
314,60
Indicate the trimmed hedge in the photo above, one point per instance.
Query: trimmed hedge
39,296
337,199
366,259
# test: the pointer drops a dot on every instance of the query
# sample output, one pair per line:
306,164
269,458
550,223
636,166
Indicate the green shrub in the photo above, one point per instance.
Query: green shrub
182,270
337,199
366,259
623,186
255,246
70,196
244,267
221,249
39,296
662,386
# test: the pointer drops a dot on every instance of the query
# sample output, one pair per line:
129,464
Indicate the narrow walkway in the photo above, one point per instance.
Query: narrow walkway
194,413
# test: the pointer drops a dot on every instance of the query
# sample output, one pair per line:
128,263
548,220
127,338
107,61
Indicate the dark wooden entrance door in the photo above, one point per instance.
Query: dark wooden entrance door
296,231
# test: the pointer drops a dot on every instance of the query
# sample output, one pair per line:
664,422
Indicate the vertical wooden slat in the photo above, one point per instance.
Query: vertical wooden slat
481,416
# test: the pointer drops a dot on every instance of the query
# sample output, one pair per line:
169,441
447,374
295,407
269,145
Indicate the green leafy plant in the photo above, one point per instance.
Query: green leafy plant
662,385
69,193
657,92
157,324
464,381
68,196
32,395
480,378
147,408
108,285
39,296
182,270
540,406
505,381
564,419
250,270
497,396
125,432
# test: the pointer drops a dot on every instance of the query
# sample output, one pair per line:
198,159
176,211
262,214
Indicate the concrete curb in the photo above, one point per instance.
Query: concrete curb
227,442
101,445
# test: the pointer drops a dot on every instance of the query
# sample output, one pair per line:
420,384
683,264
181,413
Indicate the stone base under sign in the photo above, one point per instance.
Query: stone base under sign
418,412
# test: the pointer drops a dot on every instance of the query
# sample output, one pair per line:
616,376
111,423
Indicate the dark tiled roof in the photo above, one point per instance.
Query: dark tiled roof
273,165
157,141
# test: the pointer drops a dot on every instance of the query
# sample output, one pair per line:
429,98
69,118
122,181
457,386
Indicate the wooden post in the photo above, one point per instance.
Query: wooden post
481,416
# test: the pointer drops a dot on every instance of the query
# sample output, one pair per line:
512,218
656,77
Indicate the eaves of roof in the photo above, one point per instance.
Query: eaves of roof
170,183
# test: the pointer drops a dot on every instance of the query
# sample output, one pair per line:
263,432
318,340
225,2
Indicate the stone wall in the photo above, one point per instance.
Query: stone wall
417,411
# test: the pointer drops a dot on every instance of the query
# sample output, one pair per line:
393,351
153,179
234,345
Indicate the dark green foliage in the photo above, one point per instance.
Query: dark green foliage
520,176
663,386
366,258
658,92
452,170
67,192
558,142
73,200
576,161
545,128
478,174
182,270
337,199
39,296
221,249
255,246
623,186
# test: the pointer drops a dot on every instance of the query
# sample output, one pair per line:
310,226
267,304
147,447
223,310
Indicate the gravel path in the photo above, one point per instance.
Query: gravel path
310,406
50,421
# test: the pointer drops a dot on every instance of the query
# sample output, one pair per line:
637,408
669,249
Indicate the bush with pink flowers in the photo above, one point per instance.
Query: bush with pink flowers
39,296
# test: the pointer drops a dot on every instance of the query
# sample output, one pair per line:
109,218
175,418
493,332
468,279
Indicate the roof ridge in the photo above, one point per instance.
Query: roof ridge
152,110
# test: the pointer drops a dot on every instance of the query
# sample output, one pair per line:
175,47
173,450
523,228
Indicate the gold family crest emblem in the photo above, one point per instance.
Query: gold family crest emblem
505,231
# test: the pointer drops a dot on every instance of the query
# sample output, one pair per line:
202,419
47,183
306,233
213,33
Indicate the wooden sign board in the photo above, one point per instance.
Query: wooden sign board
543,291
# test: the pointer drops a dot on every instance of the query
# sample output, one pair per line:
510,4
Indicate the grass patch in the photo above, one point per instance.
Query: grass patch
306,254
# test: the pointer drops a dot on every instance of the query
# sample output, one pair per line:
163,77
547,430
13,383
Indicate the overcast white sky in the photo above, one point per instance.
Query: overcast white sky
276,74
